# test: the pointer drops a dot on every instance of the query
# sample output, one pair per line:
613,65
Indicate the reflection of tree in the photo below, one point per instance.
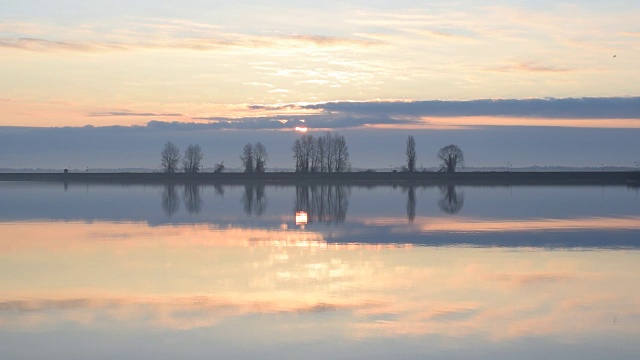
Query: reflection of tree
254,199
451,201
323,203
219,190
170,199
192,198
411,203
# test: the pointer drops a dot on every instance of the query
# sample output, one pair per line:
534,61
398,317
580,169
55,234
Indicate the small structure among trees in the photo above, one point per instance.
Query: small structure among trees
328,153
451,157
219,167
192,160
170,157
411,154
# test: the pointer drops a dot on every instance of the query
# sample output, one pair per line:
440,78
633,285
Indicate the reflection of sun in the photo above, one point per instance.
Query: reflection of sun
301,129
301,218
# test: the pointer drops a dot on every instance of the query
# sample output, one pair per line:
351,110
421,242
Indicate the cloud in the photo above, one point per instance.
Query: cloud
551,108
212,42
260,84
529,67
620,112
33,44
130,113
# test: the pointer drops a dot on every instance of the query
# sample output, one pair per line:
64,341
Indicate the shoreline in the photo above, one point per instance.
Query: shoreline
631,178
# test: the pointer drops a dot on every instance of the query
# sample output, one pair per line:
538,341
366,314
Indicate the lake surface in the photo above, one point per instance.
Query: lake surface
318,272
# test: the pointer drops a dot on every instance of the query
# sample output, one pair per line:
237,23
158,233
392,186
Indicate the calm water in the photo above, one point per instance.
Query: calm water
167,272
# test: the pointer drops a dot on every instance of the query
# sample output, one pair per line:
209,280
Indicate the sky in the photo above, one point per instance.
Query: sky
487,75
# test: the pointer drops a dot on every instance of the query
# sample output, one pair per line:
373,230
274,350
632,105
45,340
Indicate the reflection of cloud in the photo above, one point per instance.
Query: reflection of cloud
528,278
179,313
210,275
474,225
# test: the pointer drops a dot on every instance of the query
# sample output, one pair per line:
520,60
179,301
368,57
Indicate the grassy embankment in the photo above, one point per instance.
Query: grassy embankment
350,178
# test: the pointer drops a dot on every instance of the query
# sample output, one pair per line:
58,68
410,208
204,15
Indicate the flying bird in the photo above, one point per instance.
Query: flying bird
614,56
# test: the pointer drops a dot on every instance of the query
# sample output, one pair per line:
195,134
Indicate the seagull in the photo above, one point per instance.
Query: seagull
614,56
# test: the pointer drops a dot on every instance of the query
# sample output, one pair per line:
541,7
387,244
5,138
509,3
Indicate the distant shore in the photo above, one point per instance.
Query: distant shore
347,178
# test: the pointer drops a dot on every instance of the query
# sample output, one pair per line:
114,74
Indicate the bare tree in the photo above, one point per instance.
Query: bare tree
321,153
297,154
304,153
219,167
341,152
327,153
261,157
330,145
192,160
170,157
308,150
411,154
451,157
248,158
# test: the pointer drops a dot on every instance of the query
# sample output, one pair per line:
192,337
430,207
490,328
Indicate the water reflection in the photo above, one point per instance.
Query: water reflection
192,198
323,203
452,200
219,189
222,283
411,203
538,271
170,201
254,199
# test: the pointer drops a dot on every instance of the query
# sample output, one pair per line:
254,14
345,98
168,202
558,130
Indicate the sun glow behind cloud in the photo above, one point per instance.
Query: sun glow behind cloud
196,64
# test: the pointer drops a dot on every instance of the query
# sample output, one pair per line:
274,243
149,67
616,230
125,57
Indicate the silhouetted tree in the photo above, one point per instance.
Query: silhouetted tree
321,153
247,158
411,154
170,157
303,153
308,150
341,152
192,159
297,154
261,157
451,157
327,153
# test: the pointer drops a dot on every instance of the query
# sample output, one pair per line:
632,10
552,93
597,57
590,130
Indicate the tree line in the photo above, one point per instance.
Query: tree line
327,153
